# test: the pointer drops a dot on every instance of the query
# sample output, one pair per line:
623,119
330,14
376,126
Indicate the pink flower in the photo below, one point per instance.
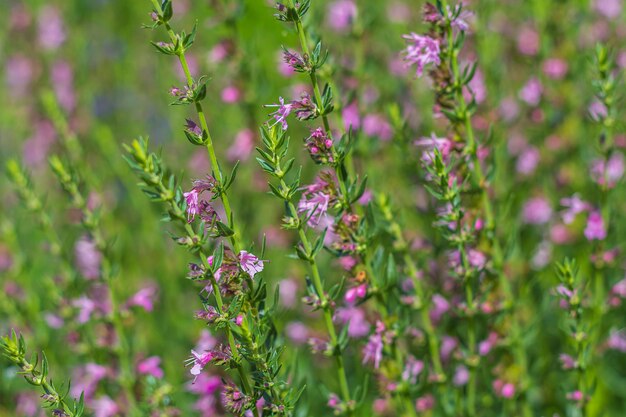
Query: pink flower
617,341
595,229
314,206
86,307
350,115
353,293
144,298
231,94
608,172
358,326
461,376
611,9
555,68
373,349
528,160
341,14
250,264
440,306
104,407
425,403
486,345
567,362
199,361
528,41
242,146
574,206
193,205
150,366
421,51
51,31
536,211
377,126
531,92
412,369
297,332
87,258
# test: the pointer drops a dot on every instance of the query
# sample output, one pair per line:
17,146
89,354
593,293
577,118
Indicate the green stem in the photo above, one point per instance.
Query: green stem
497,257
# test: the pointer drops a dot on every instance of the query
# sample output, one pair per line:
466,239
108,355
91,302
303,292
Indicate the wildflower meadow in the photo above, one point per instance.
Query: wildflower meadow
312,208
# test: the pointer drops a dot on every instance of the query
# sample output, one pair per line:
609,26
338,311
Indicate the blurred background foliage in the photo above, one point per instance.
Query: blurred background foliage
112,86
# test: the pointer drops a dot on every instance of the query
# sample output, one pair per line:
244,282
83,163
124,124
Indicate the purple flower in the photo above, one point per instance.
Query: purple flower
284,110
350,115
461,376
104,407
87,258
555,68
297,332
86,307
199,361
609,172
536,211
574,206
242,146
595,229
412,369
358,326
193,128
51,31
531,92
193,206
231,94
377,126
250,264
373,349
341,14
617,341
144,298
421,51
528,161
233,399
462,15
150,366
611,9
295,61
314,206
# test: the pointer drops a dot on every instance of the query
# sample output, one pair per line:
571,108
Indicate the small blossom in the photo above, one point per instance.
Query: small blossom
250,264
193,206
574,205
150,366
341,14
373,350
531,92
199,361
421,51
88,258
193,128
412,369
536,211
595,229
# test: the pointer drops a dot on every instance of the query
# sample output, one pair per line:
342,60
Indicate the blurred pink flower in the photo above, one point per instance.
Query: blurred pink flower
242,146
528,41
104,407
536,211
611,9
531,92
150,366
87,258
341,14
231,94
51,33
595,229
554,68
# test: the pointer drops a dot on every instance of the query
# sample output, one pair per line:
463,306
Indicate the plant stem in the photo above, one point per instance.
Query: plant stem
479,177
